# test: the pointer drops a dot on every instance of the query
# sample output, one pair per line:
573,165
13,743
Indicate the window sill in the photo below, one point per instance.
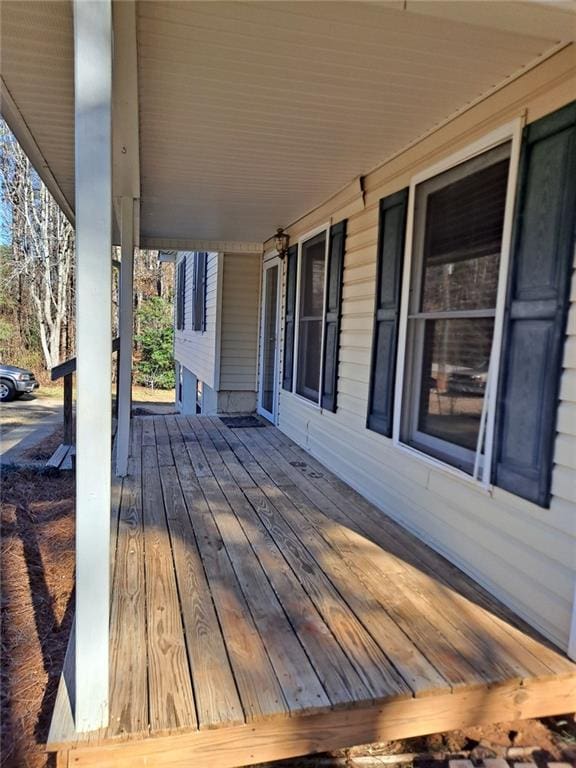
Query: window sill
304,400
446,469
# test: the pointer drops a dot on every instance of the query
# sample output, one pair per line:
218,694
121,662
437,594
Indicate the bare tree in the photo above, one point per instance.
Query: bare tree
42,249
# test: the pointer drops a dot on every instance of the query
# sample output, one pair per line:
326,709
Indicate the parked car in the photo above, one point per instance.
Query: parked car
14,382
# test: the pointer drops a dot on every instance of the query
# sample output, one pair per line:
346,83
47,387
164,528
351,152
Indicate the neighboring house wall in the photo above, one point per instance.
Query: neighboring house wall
197,350
223,357
524,554
239,332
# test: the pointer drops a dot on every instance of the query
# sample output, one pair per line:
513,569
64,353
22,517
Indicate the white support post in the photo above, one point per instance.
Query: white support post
93,153
125,333
572,637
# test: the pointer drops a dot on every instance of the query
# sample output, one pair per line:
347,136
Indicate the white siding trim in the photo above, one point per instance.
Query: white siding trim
269,263
572,638
196,244
218,328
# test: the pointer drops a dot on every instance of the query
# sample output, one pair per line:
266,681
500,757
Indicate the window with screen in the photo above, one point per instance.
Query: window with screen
458,225
311,281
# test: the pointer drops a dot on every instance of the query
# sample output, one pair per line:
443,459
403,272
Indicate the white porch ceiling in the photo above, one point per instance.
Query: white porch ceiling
253,113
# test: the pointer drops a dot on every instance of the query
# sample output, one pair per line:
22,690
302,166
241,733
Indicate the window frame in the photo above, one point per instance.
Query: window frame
405,378
270,259
302,240
199,291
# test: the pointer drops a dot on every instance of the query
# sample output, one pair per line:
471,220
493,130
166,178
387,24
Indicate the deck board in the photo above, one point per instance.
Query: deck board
128,654
215,690
169,681
258,686
458,651
425,569
299,681
253,589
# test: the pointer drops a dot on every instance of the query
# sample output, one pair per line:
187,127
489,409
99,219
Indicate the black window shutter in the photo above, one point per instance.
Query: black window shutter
183,300
195,295
392,229
181,295
290,317
537,307
335,268
203,257
178,299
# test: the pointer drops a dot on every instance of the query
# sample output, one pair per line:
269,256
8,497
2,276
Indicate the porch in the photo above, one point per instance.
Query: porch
262,609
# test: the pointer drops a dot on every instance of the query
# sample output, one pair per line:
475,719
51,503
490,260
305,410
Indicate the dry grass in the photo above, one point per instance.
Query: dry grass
146,395
54,390
11,420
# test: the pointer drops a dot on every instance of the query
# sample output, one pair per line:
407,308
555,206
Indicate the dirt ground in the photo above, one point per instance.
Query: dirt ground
44,449
37,569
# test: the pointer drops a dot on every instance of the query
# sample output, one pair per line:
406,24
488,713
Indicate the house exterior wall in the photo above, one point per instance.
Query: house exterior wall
525,555
223,357
239,332
197,350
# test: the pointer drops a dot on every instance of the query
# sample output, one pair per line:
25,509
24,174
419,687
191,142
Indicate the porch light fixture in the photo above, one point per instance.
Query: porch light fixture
281,242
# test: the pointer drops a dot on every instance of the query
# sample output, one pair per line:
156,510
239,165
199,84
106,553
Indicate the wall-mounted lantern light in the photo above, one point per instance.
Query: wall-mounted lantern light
281,242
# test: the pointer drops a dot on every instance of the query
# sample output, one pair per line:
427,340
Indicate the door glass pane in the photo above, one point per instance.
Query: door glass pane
311,317
455,359
462,241
269,340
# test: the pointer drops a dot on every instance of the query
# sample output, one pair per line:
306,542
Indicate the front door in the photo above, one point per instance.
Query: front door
269,338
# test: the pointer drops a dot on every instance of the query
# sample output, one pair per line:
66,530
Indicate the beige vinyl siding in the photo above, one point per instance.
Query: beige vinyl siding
523,554
196,350
239,324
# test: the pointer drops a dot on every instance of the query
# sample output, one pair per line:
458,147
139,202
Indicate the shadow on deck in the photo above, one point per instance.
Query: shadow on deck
262,609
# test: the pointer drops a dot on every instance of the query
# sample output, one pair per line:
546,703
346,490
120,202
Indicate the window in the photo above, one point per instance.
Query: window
310,323
457,243
181,295
199,292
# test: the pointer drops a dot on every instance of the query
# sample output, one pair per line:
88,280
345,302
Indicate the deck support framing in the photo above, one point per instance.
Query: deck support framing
291,737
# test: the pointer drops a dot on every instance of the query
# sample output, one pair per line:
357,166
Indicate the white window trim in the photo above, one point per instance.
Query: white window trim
512,132
270,260
301,240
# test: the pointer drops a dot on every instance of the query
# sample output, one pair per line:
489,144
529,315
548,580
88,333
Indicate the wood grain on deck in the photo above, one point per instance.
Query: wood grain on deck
251,586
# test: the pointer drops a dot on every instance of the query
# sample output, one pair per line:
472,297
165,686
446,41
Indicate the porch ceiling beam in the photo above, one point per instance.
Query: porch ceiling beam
194,244
93,159
19,128
555,20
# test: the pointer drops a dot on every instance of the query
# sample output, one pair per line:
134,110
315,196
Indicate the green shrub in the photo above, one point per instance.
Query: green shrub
155,368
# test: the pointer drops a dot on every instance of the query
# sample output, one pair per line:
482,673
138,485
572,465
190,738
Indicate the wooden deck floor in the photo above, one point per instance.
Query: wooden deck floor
262,609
